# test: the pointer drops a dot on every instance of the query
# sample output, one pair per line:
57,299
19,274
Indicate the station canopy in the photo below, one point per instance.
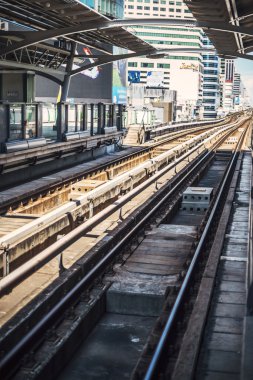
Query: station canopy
222,15
41,35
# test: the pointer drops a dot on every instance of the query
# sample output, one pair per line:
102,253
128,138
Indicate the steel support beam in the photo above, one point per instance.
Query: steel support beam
28,66
109,59
67,78
35,37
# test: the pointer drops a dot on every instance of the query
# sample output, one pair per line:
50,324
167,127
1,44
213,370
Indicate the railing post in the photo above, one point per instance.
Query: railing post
60,122
60,257
6,261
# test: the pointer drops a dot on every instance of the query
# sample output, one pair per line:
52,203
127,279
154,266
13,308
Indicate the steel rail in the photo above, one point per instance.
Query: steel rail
77,177
13,356
153,369
58,310
18,275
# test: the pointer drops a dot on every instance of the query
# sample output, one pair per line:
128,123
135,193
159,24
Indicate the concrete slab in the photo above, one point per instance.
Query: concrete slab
112,349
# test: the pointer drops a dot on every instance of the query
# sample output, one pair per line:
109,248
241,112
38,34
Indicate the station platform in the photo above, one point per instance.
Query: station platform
44,183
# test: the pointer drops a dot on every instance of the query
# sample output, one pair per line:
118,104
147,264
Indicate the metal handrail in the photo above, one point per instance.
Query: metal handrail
151,372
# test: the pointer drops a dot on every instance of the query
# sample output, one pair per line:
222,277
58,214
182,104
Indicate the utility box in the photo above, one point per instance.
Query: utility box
197,199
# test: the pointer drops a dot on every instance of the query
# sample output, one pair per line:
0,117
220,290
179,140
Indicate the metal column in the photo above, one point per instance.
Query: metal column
67,78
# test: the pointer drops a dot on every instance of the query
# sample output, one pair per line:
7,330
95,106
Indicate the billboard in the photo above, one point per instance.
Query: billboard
186,80
92,85
134,76
119,91
155,78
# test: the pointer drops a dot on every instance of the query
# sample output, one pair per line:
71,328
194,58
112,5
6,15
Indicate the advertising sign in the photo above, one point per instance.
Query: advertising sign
155,78
119,92
93,84
134,76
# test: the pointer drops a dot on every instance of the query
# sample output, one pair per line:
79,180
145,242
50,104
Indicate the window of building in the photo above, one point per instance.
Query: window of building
171,9
163,42
210,86
147,64
210,101
213,72
155,8
132,64
171,2
178,10
209,93
139,7
179,36
210,64
163,65
146,8
181,57
130,7
209,108
162,9
210,79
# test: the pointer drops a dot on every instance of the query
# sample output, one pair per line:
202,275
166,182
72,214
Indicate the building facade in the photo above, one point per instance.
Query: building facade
227,70
110,8
193,76
211,92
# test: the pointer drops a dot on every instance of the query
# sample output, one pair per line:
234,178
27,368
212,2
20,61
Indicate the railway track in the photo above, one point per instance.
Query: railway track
11,199
90,292
32,227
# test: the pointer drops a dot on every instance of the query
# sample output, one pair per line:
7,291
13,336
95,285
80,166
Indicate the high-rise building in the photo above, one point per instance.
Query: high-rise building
211,93
110,8
227,70
237,85
183,72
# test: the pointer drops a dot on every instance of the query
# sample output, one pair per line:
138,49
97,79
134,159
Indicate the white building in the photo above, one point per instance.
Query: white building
156,101
182,72
227,70
233,94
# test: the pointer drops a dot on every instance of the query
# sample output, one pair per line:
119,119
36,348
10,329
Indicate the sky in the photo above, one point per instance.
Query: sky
245,68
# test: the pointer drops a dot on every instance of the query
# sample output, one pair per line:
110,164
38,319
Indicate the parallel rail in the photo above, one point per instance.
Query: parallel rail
162,347
86,201
9,361
13,203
